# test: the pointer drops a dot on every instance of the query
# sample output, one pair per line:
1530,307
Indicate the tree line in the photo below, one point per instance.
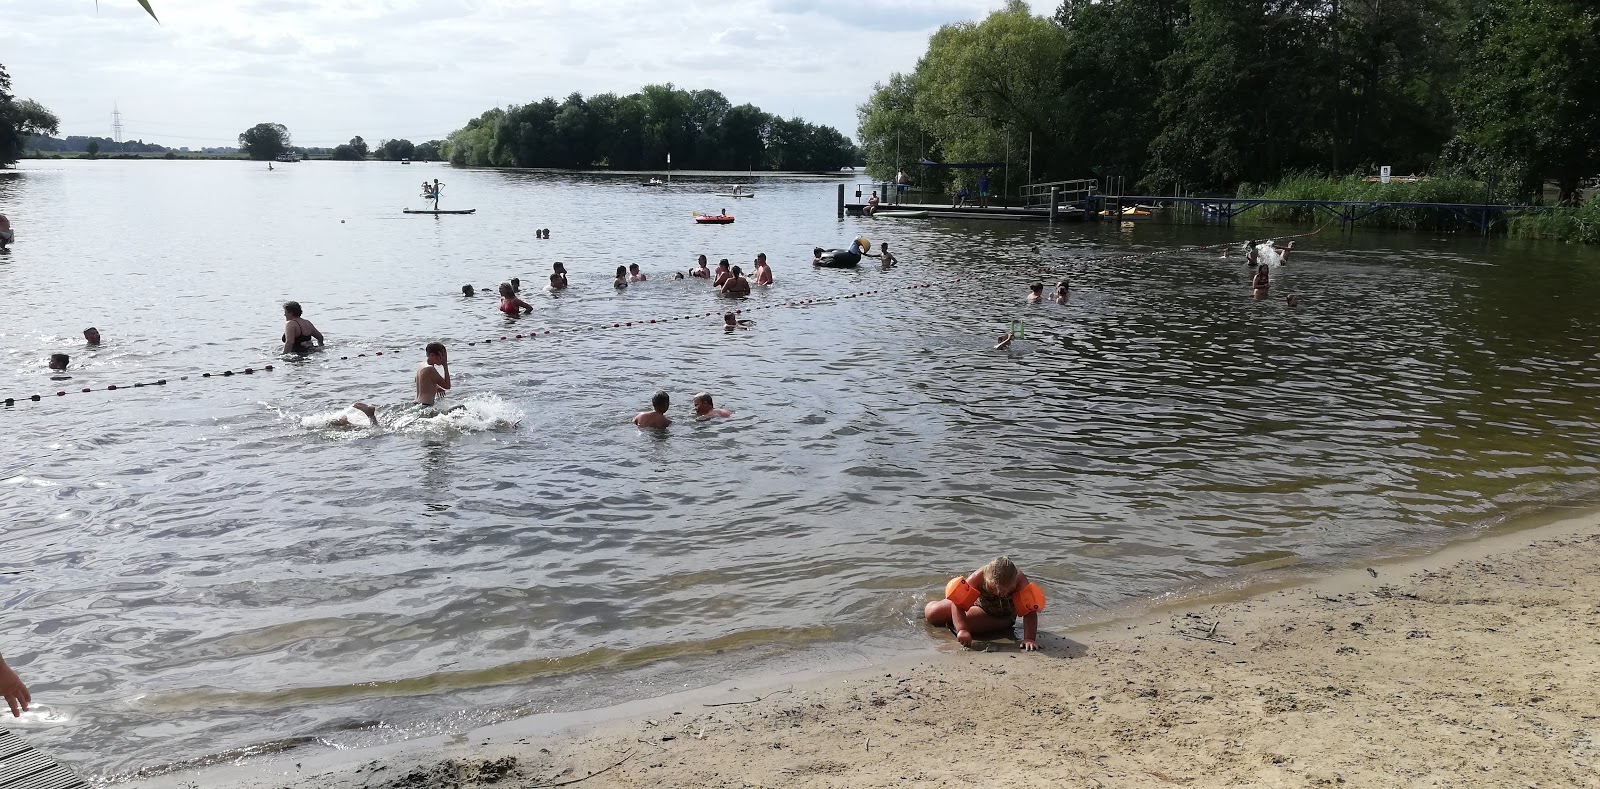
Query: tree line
700,129
266,141
1205,95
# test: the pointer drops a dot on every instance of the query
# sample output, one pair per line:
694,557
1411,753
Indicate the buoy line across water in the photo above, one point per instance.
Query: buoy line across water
11,402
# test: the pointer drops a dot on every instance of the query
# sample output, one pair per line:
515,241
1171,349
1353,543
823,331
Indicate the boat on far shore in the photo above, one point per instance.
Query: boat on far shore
288,156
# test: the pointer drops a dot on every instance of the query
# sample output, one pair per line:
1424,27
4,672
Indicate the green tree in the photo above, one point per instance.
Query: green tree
20,119
432,150
353,151
93,148
395,150
1529,97
264,141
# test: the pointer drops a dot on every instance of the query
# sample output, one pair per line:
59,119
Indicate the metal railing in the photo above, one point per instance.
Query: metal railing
1075,191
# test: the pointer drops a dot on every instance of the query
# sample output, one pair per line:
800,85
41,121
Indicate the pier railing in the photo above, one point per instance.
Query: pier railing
1071,192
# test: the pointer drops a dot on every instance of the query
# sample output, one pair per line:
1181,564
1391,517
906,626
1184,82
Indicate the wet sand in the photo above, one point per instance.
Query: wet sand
1476,665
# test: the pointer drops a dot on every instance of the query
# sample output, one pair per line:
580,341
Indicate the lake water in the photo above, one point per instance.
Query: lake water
206,566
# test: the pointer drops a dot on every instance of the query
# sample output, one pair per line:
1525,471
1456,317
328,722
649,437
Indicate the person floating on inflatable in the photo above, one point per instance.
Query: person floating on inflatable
988,602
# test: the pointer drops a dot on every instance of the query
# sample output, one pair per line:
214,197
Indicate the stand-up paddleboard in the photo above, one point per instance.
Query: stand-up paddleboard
439,211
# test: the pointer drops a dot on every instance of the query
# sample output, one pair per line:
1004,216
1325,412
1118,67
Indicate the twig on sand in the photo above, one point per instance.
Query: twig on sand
1206,638
618,763
752,701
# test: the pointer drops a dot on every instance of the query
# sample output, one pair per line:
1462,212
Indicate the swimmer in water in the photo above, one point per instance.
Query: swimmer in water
1003,341
763,272
816,256
510,304
883,254
431,385
657,416
1259,283
6,234
736,284
704,411
433,375
1251,254
297,331
558,277
621,282
91,335
1293,301
466,290
722,274
1061,293
1036,293
1283,253
677,275
516,285
634,274
59,361
700,270
729,323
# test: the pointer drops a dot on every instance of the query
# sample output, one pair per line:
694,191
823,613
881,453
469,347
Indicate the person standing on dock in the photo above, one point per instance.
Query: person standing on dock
983,190
902,182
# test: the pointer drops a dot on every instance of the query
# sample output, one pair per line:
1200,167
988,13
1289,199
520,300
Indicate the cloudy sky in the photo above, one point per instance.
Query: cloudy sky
332,69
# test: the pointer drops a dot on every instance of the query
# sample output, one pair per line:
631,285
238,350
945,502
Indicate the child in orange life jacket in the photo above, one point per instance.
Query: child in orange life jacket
987,601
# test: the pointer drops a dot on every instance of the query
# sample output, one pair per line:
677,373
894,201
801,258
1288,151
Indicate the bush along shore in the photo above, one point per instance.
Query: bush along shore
1569,224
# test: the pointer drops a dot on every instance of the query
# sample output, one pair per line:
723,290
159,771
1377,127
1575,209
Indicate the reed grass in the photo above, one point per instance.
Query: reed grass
1579,225
1446,189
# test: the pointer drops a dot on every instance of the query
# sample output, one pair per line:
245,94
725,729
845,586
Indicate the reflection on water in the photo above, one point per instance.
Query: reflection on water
214,564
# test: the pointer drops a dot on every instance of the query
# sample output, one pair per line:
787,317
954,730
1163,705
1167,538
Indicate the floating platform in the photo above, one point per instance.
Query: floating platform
1067,213
22,767
437,211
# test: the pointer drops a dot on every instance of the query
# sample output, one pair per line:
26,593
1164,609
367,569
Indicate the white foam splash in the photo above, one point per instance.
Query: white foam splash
1268,255
475,413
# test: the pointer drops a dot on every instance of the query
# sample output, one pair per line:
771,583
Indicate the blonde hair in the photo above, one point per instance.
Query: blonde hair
999,574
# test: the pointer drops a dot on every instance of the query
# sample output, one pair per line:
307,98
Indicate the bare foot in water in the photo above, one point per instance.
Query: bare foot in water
372,413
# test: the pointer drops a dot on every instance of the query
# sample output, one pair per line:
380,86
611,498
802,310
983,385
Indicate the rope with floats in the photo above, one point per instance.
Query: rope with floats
585,328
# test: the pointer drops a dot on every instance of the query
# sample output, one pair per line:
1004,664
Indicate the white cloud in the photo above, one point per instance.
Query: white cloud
333,69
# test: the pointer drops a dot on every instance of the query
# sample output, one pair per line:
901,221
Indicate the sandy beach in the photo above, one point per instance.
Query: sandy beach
1474,665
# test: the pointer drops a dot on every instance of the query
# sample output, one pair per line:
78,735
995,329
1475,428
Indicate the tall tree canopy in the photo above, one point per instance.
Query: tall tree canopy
20,119
1208,94
701,129
264,140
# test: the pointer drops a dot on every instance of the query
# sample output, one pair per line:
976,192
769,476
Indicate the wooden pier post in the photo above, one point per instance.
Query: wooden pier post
841,201
1055,202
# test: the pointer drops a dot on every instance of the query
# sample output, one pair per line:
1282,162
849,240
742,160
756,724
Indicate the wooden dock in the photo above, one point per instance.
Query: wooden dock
943,211
22,767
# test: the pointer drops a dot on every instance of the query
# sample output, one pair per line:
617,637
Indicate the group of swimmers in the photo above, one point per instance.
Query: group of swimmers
729,280
657,417
1260,279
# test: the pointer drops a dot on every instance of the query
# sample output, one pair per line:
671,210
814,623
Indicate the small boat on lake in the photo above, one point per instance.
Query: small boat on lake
734,194
713,219
288,156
